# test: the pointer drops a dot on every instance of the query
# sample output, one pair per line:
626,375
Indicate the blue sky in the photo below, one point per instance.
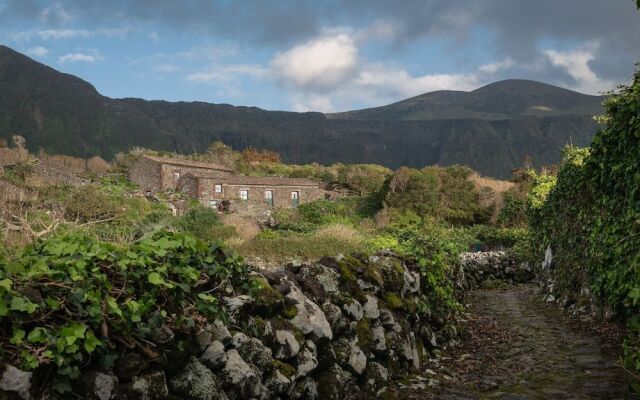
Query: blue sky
324,55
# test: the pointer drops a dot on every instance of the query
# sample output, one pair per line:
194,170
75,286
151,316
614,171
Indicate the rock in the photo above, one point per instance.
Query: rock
197,382
305,389
130,365
147,387
354,310
204,338
240,377
307,359
253,351
15,380
309,318
326,357
220,332
214,356
276,382
337,320
161,335
370,308
386,318
286,345
333,384
237,304
357,359
379,345
99,386
411,282
375,377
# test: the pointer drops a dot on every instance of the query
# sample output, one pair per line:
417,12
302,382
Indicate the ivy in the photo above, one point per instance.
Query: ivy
67,298
591,216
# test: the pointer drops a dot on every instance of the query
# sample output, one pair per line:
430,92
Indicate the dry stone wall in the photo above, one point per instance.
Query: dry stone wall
321,330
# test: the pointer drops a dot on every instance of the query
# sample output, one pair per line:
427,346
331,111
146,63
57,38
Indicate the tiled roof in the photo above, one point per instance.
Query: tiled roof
258,180
188,163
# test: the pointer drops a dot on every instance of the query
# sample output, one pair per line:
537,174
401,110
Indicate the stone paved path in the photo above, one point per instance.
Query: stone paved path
520,348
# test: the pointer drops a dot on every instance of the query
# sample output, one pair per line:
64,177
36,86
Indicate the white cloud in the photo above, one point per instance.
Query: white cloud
225,74
166,68
59,34
38,51
320,64
90,57
576,63
55,14
492,68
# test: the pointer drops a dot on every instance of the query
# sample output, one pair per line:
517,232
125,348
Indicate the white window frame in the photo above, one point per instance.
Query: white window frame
176,176
217,188
270,191
244,192
295,195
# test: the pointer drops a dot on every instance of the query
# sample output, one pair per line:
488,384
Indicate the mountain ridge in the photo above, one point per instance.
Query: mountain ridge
491,129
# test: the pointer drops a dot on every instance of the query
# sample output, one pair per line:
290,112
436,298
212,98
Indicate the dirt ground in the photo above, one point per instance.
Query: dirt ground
517,347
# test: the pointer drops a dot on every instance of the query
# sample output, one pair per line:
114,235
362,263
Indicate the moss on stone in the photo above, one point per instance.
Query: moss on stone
285,369
393,301
290,311
363,330
267,299
281,324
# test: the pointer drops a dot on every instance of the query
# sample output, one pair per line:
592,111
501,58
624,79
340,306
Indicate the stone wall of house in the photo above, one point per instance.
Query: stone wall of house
168,178
145,173
231,191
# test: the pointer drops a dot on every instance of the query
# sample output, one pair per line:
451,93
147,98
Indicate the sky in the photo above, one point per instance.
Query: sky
315,55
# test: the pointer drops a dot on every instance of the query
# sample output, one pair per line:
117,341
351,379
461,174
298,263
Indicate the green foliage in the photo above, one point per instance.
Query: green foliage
89,204
435,250
203,223
67,299
445,193
513,211
591,217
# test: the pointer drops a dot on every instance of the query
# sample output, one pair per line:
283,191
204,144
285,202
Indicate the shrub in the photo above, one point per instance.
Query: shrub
203,223
89,204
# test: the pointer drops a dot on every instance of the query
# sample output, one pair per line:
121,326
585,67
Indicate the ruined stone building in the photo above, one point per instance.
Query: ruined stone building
211,184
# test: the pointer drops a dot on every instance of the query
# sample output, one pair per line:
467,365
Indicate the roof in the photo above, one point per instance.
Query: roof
188,163
257,180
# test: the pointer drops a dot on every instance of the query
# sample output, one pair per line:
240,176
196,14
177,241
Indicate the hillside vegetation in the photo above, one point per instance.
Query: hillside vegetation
490,129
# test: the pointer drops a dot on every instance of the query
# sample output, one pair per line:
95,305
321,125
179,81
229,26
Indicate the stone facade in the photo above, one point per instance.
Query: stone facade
251,191
163,173
211,184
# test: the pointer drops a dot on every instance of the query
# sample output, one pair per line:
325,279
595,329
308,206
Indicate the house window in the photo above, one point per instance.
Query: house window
213,204
217,188
295,198
268,196
244,194
176,177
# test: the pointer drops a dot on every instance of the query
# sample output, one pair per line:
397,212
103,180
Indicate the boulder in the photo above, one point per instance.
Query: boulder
305,389
252,350
338,322
370,307
379,342
220,332
277,382
333,384
309,318
197,382
353,309
357,359
147,387
241,377
375,377
307,360
285,345
214,356
99,386
15,380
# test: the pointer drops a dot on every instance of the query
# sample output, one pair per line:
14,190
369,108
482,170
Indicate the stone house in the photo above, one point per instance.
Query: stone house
156,174
211,184
250,191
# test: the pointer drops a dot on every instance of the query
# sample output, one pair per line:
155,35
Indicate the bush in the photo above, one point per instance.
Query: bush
89,204
203,223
